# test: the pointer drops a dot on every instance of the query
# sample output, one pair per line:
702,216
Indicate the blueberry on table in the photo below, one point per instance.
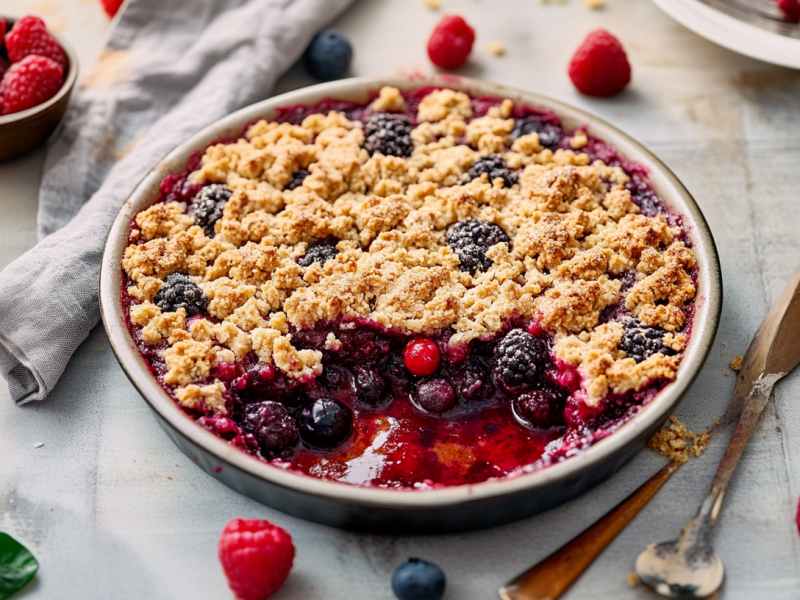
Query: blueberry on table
325,424
418,580
328,56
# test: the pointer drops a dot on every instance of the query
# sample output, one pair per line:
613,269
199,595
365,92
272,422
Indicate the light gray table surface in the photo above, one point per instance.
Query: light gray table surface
113,510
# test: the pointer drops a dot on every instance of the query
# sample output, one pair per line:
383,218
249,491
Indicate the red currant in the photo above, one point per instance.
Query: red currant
422,357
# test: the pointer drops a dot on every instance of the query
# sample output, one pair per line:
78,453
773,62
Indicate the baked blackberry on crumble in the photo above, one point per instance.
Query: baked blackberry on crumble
428,290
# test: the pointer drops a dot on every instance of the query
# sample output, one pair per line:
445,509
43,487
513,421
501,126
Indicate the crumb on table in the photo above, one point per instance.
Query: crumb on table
736,362
595,4
433,4
677,442
496,48
633,579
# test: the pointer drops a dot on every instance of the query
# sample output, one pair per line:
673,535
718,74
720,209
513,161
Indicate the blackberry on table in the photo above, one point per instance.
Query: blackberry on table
317,253
494,166
179,292
206,208
471,239
297,179
388,134
641,341
549,134
517,358
272,426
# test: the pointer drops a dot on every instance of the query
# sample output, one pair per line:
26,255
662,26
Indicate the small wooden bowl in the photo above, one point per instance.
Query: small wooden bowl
23,131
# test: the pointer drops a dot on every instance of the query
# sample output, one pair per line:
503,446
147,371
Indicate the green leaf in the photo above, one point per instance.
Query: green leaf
17,566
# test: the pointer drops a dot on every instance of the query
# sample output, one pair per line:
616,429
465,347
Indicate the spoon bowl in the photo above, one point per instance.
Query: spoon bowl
676,571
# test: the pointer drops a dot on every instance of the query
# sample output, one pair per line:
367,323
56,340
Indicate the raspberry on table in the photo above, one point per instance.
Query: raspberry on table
600,66
256,557
298,178
111,6
451,42
206,207
388,134
29,82
29,36
318,253
328,56
494,166
640,341
274,429
790,10
422,357
179,292
517,358
549,134
471,239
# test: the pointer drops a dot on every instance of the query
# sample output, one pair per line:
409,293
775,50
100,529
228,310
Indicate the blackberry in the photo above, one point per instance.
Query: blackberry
325,424
206,207
518,357
435,396
370,386
388,134
540,408
471,239
178,291
549,134
317,253
273,428
640,341
473,383
297,179
494,166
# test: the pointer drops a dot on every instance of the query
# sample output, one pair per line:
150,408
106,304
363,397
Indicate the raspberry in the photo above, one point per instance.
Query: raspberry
207,205
600,66
30,36
640,341
256,557
495,167
451,42
389,135
422,357
111,6
29,82
790,10
471,239
518,357
318,253
179,292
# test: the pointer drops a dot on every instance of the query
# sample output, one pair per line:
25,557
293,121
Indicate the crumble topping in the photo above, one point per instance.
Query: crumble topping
572,226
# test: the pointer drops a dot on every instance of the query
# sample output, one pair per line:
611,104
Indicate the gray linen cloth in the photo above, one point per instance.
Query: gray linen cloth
170,68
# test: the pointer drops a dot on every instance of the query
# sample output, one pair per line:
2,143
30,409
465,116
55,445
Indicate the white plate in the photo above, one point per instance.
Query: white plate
735,34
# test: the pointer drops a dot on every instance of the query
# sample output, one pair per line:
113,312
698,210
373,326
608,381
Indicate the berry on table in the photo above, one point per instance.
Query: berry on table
207,205
256,557
318,253
495,167
549,134
539,408
325,424
435,396
640,341
451,42
418,580
790,10
600,66
471,239
111,6
389,135
517,358
274,429
422,357
370,386
297,179
328,56
29,36
29,82
179,292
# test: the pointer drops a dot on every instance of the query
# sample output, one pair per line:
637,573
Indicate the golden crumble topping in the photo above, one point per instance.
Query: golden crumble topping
571,225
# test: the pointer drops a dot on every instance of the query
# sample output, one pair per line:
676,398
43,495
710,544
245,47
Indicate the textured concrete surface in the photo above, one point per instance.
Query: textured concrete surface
112,509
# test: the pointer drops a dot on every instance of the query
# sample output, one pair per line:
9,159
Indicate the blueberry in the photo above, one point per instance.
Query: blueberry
297,179
549,134
418,580
518,358
328,56
274,429
435,396
178,291
473,383
325,424
539,408
318,253
370,386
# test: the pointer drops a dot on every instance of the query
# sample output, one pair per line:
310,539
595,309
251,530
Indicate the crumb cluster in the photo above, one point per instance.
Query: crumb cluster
572,226
677,443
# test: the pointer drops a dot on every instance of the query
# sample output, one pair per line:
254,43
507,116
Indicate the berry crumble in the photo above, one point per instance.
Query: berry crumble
427,290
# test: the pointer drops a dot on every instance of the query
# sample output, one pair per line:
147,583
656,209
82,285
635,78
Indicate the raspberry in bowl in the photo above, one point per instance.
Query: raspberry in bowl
37,74
411,304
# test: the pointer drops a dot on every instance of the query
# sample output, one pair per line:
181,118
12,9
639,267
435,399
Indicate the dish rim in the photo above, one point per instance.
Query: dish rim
704,325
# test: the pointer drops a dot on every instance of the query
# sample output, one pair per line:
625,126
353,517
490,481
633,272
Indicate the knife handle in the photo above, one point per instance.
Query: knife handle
553,576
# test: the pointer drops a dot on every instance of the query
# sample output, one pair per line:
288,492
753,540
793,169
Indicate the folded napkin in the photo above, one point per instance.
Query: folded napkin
170,68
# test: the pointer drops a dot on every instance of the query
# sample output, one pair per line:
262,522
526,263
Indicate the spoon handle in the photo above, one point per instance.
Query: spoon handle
554,575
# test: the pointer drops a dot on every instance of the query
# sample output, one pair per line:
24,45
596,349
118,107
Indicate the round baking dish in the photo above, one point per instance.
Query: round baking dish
447,509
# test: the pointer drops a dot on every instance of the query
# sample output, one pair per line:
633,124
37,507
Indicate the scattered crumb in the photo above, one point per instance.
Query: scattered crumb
676,441
772,396
496,48
169,476
736,362
724,343
38,444
433,4
778,429
727,373
595,4
633,579
725,354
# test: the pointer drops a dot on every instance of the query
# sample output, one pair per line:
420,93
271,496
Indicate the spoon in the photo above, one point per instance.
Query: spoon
689,567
